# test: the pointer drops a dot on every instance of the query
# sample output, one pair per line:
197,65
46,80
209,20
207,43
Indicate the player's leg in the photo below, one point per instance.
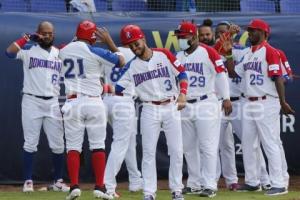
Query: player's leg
227,156
150,130
270,138
122,123
250,143
74,134
53,128
173,132
95,123
135,177
208,124
32,117
191,151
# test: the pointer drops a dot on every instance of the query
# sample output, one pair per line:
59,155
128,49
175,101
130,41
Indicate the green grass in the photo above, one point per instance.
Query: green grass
161,195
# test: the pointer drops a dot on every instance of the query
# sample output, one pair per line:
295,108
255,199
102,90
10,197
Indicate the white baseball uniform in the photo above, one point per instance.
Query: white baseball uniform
261,113
83,65
40,105
155,84
120,111
202,116
227,149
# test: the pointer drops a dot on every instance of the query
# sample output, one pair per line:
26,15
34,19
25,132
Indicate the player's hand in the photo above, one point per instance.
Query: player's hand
181,101
103,35
233,29
286,109
35,37
227,107
227,44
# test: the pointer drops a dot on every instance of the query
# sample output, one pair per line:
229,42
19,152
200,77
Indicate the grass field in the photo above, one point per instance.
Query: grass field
161,195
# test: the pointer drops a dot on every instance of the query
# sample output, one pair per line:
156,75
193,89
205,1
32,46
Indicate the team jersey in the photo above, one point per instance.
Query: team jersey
155,79
259,66
112,75
41,70
285,66
201,67
83,65
236,84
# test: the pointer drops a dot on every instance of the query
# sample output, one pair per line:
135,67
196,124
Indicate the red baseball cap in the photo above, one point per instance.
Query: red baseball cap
186,28
259,24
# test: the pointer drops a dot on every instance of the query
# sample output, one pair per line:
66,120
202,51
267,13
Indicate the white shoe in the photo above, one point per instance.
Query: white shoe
99,194
60,186
28,186
74,194
115,195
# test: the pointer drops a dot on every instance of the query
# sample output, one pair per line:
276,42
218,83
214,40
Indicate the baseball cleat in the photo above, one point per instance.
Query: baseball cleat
249,188
101,193
266,187
28,186
233,186
148,197
74,194
208,193
60,186
136,187
276,191
177,196
189,190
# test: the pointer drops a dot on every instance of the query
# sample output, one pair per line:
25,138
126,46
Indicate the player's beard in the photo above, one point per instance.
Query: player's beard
46,44
209,42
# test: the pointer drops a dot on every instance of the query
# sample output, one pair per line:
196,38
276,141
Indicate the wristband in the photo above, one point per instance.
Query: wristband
183,87
229,57
21,42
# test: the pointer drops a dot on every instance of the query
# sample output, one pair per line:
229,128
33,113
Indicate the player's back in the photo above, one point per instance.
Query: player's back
83,65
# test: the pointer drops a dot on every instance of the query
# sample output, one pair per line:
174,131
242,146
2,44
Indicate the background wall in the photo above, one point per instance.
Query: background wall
157,27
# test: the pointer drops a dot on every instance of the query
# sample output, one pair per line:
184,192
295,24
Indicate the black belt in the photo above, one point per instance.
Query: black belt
40,97
257,98
234,98
195,100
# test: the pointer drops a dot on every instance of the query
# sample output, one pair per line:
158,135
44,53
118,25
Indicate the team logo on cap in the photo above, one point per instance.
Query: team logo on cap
128,35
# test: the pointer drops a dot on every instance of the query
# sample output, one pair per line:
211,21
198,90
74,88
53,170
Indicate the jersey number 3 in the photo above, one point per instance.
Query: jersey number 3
70,71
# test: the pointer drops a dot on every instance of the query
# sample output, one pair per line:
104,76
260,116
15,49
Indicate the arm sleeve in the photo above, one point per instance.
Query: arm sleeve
273,61
222,85
105,56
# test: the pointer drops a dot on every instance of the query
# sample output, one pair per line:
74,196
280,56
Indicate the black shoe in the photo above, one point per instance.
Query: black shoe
189,190
276,191
249,188
208,193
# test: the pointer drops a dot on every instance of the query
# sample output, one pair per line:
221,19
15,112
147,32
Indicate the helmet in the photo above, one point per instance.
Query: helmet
186,28
260,24
131,33
86,31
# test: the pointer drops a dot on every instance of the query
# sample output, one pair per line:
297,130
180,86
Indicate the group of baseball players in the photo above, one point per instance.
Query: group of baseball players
196,97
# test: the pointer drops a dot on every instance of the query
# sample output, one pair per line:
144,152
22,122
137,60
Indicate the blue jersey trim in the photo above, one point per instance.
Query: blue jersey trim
125,68
10,55
182,76
119,89
105,54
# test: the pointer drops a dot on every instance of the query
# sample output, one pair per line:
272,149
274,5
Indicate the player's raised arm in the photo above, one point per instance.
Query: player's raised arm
103,36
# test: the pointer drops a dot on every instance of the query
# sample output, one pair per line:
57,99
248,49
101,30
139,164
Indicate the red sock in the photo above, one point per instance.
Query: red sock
73,164
98,162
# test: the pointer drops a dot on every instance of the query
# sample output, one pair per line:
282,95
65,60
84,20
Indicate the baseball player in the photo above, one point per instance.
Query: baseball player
232,55
201,118
153,73
40,106
83,65
264,94
120,111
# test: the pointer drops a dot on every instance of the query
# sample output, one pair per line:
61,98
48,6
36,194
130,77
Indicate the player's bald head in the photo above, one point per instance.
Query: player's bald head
45,25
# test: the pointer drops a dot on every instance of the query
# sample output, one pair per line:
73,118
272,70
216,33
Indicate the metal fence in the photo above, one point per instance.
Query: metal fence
243,6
